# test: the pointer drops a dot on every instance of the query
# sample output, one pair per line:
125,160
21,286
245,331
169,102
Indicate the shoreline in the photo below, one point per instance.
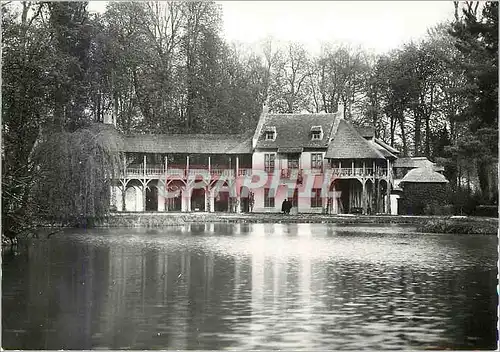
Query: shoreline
424,224
472,225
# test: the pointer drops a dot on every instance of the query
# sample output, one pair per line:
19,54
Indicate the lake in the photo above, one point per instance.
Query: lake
251,286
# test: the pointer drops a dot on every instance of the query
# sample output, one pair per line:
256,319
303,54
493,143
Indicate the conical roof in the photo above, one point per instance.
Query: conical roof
424,175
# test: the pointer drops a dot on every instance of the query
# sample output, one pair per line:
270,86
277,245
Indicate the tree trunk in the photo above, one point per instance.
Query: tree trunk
403,134
417,138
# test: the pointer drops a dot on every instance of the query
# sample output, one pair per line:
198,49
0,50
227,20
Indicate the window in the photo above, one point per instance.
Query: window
316,198
316,132
269,162
269,136
270,133
293,161
316,160
268,198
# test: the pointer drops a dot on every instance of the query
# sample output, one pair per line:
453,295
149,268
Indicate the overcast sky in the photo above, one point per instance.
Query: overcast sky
376,25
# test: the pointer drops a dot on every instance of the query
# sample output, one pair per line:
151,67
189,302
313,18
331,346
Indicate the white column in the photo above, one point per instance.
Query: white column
209,168
207,199
334,201
161,200
187,165
212,202
234,185
144,186
237,166
352,167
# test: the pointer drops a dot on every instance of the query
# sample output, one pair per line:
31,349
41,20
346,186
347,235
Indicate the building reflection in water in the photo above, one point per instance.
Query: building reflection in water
249,286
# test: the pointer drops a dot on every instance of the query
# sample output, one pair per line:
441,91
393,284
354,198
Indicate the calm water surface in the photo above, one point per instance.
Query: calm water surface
251,286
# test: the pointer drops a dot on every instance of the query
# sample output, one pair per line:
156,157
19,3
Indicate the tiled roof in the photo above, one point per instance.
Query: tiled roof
113,137
382,150
386,146
347,143
290,150
413,162
294,130
188,143
366,132
423,175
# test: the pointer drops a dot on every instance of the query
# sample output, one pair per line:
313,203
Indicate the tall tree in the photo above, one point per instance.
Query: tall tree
288,85
477,39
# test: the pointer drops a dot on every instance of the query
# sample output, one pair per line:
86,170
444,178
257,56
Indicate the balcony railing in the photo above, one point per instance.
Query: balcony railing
357,171
182,173
244,172
230,173
222,172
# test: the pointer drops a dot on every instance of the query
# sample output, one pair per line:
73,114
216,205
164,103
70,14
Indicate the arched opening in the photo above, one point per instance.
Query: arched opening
173,196
198,199
370,199
132,199
381,193
245,199
222,198
348,196
221,201
152,197
133,196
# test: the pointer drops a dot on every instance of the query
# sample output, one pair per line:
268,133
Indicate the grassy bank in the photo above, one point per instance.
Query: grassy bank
458,227
432,224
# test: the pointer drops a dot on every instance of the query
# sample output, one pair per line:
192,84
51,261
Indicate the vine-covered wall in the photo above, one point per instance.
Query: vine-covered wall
420,198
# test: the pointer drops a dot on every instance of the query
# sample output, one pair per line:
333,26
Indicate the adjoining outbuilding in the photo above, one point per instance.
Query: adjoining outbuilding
423,188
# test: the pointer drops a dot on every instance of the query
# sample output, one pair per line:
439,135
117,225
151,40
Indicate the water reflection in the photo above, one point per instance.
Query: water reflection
251,286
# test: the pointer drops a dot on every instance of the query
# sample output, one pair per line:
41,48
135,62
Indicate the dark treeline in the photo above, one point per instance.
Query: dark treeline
164,67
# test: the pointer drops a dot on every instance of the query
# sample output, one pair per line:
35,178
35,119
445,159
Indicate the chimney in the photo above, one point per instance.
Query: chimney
340,111
265,107
265,111
110,119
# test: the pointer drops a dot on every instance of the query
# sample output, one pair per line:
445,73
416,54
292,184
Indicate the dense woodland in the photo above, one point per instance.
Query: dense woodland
163,67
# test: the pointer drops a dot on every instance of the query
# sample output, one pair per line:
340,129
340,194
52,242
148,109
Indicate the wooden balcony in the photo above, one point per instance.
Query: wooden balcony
350,172
159,172
214,173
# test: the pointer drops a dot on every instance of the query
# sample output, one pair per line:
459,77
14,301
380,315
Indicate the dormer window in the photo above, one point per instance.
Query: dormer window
316,133
270,133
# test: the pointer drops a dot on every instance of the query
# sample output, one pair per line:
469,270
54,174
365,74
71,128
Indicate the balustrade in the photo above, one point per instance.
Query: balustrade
136,171
244,172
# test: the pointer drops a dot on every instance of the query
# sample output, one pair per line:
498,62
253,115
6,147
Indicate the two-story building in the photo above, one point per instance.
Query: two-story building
320,162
